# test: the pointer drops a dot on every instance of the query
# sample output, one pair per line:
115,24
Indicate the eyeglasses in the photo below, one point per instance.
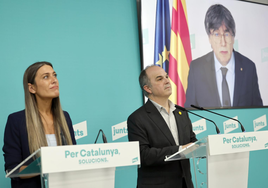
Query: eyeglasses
217,37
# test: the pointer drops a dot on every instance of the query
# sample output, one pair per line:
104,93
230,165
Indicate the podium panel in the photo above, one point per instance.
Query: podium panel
91,165
227,158
228,170
103,177
92,156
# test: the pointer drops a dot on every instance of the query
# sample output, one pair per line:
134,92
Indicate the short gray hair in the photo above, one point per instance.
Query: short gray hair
144,80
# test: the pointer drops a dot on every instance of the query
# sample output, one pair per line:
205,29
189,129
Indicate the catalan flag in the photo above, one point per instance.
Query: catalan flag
162,35
180,55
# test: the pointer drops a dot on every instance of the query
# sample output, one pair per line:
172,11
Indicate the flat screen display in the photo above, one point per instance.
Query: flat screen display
248,64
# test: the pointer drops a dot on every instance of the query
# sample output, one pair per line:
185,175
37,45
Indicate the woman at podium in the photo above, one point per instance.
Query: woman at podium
42,123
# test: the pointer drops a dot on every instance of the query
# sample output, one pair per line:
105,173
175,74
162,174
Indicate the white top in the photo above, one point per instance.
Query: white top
51,140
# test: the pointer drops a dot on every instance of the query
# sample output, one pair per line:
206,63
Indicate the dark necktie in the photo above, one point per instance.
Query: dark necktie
226,102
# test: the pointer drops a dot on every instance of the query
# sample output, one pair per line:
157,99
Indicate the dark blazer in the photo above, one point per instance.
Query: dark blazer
202,86
16,147
147,126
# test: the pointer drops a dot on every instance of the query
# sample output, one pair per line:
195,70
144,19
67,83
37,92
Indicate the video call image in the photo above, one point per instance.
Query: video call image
229,52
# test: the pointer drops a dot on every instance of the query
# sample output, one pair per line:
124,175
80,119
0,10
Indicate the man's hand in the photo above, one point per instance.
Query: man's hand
25,177
186,145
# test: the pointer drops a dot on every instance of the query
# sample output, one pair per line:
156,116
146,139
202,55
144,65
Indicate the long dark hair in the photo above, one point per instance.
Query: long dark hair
35,128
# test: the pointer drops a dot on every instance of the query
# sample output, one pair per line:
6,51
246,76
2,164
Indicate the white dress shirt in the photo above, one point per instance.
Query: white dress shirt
230,77
169,119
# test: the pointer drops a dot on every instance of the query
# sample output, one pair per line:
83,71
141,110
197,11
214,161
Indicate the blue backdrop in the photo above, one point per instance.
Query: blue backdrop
94,48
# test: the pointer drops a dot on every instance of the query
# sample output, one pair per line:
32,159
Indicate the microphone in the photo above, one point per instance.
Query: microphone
104,139
201,108
183,109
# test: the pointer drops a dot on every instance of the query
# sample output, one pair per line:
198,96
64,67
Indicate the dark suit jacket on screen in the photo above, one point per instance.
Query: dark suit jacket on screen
16,147
147,126
202,86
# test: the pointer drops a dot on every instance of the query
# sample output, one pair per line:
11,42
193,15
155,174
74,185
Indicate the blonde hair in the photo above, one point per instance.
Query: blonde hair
35,127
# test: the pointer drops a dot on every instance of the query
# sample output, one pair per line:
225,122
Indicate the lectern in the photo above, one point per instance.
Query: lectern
91,165
227,157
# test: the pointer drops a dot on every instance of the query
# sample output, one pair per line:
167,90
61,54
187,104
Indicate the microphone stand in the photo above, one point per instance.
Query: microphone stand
201,108
103,137
183,109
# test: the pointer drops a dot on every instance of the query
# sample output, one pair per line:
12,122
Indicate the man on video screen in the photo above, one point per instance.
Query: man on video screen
222,78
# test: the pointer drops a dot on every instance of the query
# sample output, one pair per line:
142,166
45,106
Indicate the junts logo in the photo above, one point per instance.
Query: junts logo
264,54
230,125
134,160
259,123
199,126
80,130
119,130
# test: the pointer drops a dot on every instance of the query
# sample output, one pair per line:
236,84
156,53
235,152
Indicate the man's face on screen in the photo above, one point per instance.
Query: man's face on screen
222,42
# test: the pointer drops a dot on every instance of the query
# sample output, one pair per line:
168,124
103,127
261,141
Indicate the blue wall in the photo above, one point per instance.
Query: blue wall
94,48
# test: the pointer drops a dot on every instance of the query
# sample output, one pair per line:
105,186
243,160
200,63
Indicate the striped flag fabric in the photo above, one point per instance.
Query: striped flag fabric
180,55
162,35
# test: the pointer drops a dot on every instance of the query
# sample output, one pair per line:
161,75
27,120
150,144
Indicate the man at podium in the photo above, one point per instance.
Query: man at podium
161,130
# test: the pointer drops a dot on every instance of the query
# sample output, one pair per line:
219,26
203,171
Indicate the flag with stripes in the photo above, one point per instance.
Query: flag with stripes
180,55
162,35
